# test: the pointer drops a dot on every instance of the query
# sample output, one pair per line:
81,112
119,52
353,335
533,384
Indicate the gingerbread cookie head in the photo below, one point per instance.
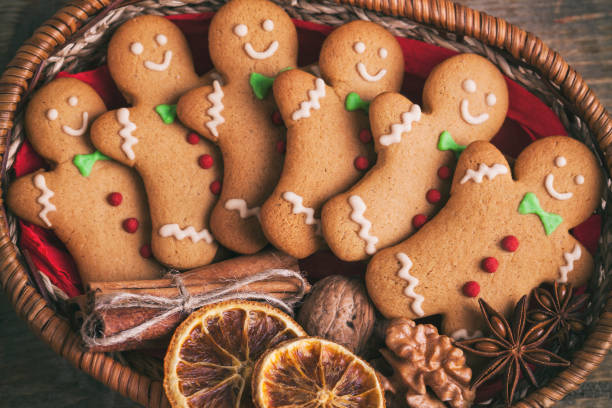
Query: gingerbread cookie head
150,61
564,176
470,93
362,57
248,36
58,118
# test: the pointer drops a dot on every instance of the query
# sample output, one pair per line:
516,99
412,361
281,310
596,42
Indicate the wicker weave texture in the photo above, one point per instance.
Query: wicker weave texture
77,31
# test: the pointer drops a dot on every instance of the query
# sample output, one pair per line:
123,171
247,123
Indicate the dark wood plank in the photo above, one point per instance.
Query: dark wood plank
32,375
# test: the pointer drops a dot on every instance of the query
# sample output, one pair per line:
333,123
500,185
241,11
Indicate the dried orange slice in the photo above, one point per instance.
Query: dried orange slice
211,356
314,373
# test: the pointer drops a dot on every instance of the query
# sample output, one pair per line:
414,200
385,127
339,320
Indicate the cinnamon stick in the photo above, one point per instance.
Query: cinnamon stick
115,319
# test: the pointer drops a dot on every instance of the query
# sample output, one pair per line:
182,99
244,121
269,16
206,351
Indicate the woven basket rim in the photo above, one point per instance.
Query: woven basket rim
22,71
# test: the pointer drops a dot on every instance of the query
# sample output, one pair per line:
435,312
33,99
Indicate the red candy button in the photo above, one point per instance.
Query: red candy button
130,225
444,172
419,220
114,199
277,119
215,187
365,135
510,243
193,138
145,251
471,289
361,163
433,196
490,264
206,161
281,147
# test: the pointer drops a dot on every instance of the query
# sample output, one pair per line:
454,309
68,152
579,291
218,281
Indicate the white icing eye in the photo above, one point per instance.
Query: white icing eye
161,39
268,25
491,99
382,53
579,179
359,47
469,86
73,101
136,48
241,30
560,161
52,114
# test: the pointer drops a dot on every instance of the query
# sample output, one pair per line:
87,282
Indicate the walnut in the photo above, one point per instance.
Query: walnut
426,365
338,309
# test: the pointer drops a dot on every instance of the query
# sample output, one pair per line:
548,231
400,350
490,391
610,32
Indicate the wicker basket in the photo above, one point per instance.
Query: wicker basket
73,39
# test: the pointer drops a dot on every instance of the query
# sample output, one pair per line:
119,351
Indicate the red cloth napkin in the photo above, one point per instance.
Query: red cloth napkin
528,119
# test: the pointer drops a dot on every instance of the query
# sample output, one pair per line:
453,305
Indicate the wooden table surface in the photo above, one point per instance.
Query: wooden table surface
31,375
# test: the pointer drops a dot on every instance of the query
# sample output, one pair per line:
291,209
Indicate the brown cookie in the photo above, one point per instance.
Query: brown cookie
328,135
496,238
96,207
150,61
250,42
465,99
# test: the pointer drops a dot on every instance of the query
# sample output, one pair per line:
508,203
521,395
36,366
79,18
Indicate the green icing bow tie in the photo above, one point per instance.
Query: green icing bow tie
353,102
531,205
85,162
446,142
262,84
167,113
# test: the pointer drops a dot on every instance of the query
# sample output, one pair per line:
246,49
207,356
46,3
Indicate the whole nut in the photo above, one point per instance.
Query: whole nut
339,309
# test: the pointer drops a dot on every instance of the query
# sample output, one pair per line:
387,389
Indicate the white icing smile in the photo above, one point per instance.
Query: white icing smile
363,72
469,86
248,48
467,116
550,188
160,67
560,161
80,131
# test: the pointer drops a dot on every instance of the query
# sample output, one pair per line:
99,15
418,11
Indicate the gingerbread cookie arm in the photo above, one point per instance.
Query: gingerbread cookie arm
299,95
31,197
392,118
201,109
481,165
116,135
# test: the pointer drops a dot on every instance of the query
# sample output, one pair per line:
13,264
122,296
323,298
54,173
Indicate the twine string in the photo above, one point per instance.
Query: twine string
184,303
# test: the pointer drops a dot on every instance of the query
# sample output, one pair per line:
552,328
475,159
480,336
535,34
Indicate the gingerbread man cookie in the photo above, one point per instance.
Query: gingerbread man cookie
496,238
97,208
328,137
250,42
150,61
465,99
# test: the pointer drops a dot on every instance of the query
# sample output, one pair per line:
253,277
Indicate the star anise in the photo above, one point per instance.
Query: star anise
558,308
511,347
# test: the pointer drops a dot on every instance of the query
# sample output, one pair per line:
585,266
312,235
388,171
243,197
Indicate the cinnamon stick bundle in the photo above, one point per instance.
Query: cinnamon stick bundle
131,314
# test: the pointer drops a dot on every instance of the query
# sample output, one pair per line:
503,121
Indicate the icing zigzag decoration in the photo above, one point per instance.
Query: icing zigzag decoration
414,115
240,205
484,170
404,273
359,208
214,111
123,117
313,102
298,208
173,230
39,182
570,257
